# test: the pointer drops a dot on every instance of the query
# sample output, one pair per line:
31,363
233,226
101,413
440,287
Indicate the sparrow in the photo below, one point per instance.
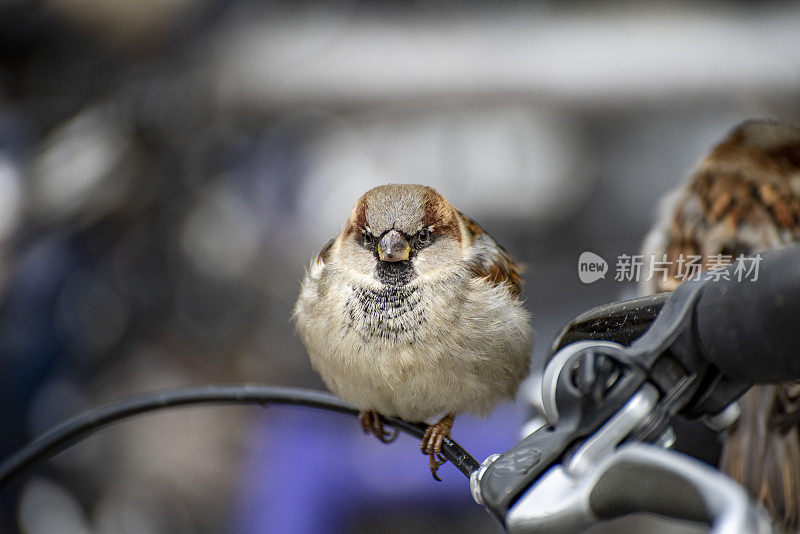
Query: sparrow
741,199
413,311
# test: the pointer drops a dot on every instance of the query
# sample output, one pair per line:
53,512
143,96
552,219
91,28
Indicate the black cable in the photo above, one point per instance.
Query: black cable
73,430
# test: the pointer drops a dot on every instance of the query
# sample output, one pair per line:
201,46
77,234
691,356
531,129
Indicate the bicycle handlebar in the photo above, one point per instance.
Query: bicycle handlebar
748,329
709,341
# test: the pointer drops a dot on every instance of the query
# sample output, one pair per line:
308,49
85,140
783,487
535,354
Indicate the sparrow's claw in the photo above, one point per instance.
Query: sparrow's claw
432,443
372,423
434,462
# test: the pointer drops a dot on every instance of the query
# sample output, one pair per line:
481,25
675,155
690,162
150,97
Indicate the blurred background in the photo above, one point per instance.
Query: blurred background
169,167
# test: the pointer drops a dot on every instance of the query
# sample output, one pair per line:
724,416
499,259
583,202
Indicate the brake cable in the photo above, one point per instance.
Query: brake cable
79,427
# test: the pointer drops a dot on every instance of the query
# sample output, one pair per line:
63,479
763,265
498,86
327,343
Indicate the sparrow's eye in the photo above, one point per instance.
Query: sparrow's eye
368,239
424,236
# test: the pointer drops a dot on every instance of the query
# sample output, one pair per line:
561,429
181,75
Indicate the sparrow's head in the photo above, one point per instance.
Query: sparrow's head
396,233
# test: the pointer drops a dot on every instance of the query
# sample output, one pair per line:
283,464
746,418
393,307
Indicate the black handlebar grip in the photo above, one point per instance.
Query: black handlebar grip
750,328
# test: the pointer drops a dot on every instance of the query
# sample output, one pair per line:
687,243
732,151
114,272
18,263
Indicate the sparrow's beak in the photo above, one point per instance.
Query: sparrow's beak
393,247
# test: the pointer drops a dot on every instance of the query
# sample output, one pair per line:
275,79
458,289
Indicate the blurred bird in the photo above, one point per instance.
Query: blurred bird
744,198
413,311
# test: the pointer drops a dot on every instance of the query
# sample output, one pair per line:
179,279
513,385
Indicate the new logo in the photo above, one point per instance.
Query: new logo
591,267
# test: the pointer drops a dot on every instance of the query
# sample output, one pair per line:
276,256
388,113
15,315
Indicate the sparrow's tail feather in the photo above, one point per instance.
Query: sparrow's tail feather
762,450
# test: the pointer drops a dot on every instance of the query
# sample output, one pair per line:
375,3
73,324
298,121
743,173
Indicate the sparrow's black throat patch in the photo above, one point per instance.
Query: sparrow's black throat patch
395,273
390,313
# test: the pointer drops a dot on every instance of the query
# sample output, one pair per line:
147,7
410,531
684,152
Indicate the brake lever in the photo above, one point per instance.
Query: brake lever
636,477
660,360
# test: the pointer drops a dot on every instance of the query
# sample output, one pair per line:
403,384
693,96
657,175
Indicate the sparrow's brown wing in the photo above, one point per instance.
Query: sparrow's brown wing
742,199
491,261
